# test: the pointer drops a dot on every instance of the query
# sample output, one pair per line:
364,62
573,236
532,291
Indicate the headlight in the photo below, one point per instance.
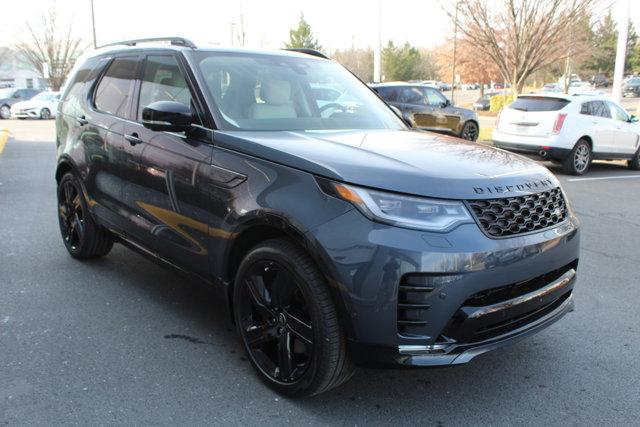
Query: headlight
403,211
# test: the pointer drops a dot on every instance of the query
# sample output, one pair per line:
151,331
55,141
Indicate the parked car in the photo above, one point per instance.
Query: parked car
582,88
600,80
552,88
10,96
42,106
426,108
483,103
631,87
571,130
337,236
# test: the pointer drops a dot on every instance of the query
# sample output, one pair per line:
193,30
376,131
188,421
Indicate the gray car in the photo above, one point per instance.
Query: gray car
337,235
426,108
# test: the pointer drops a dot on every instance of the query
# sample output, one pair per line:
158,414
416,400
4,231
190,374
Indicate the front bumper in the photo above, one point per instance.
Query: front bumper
371,266
25,114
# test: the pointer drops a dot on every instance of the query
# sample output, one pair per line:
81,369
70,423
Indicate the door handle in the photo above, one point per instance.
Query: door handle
133,139
82,120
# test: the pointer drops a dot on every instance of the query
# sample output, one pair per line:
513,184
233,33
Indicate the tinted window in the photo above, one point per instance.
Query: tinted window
389,93
412,95
532,103
114,90
587,108
74,89
163,81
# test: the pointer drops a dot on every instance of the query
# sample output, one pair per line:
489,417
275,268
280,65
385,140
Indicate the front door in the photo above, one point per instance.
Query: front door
625,139
167,195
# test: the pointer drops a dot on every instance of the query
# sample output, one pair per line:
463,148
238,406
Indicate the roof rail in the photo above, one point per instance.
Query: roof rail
307,51
175,41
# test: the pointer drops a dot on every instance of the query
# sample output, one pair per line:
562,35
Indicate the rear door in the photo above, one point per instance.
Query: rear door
531,115
166,195
414,105
594,116
102,132
625,136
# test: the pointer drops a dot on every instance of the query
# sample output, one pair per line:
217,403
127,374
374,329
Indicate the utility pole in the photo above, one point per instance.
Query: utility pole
621,51
455,47
377,50
93,26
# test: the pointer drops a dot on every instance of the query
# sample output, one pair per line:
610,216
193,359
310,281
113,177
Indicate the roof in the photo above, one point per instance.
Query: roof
577,97
385,84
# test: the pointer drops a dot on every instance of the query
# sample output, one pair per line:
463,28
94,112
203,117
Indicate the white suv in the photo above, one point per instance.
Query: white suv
573,130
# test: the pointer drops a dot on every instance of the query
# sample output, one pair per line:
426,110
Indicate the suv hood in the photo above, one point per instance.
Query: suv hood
404,161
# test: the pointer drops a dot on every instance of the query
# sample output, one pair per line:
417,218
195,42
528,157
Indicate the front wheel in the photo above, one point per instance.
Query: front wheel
5,112
82,237
469,131
579,159
287,321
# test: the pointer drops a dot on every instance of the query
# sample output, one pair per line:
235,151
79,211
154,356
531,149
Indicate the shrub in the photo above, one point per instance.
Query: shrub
499,101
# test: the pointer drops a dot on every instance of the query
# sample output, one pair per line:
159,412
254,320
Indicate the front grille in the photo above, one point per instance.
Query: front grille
522,214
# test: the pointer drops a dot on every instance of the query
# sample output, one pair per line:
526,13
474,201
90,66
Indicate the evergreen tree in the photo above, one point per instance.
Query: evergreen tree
302,37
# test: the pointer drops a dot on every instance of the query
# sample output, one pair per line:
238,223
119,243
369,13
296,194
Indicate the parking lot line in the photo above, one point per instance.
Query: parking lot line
4,137
597,178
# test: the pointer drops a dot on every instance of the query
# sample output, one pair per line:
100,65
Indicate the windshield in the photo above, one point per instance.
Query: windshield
6,93
275,92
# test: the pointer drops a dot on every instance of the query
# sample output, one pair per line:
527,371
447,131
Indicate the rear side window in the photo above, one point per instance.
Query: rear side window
412,95
114,90
595,108
74,91
389,94
538,103
163,81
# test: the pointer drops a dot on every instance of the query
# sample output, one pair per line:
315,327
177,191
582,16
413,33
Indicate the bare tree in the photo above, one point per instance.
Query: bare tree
521,36
49,44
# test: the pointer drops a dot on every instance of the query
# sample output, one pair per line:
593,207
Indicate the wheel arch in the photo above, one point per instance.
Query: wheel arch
586,138
65,165
262,229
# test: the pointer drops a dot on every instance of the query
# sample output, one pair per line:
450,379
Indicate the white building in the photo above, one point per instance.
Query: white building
15,71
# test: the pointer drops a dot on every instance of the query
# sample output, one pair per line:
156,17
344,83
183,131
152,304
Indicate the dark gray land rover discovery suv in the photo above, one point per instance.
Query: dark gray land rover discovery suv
337,235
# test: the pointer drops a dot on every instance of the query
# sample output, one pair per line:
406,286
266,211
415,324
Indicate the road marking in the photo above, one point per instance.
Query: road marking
4,137
604,177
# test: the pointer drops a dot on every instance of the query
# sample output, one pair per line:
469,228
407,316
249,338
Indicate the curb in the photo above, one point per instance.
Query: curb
4,137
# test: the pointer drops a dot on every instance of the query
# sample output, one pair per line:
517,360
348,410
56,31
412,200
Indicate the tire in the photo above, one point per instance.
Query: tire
579,159
5,112
45,114
83,238
281,305
469,131
634,164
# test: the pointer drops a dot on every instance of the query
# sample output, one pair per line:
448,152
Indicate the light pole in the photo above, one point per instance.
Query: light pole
455,47
621,52
377,54
93,26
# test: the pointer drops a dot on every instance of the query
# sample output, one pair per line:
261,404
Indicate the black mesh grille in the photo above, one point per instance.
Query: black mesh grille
515,215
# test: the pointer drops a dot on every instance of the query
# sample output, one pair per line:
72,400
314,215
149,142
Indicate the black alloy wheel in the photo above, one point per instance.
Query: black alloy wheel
71,214
469,131
5,112
287,321
45,114
275,322
634,163
82,237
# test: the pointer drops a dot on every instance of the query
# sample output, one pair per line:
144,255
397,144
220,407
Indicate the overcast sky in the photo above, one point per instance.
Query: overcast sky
339,23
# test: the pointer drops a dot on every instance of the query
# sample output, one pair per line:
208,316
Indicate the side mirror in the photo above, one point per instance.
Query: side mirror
168,116
633,119
446,103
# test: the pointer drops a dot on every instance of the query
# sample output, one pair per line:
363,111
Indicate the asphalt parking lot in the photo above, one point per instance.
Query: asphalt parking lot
122,340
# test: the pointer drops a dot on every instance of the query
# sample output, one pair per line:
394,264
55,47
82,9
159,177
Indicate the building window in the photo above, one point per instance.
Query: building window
29,83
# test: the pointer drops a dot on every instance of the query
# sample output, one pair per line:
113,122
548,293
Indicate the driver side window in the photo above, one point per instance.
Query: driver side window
435,98
617,113
163,81
412,95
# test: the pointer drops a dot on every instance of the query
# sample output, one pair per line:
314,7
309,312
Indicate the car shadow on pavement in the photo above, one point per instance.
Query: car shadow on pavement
521,368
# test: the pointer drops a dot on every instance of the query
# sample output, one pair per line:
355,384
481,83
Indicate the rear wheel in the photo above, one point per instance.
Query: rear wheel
469,131
82,237
634,163
287,321
579,159
45,114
